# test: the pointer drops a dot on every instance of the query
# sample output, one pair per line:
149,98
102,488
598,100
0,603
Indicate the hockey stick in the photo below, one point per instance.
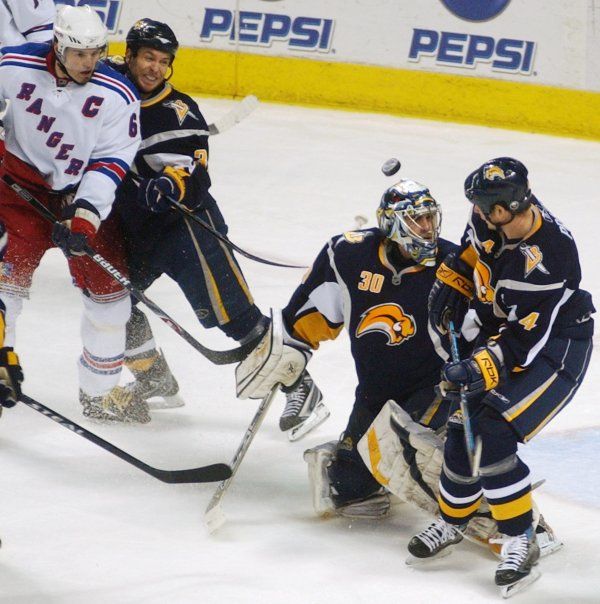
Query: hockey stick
183,210
218,357
223,238
212,473
473,444
214,517
242,110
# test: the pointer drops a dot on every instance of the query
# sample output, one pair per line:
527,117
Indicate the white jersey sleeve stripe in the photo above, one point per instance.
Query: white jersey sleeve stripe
528,287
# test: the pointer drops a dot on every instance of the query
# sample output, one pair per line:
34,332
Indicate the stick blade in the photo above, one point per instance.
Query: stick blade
242,110
214,519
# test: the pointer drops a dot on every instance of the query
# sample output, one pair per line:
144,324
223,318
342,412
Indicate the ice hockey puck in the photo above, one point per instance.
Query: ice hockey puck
391,166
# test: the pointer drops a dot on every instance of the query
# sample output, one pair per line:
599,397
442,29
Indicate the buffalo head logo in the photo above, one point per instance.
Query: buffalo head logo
389,319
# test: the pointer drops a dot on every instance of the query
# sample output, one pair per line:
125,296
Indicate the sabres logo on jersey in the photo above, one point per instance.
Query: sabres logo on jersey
488,246
180,108
533,259
354,237
482,276
389,319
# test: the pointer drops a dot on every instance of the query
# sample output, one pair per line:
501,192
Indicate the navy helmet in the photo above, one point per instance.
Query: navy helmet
152,34
502,181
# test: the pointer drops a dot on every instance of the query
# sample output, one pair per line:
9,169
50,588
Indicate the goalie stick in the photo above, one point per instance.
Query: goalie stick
214,517
218,357
211,473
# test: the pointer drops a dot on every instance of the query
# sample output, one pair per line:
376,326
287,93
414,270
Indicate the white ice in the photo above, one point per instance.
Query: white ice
79,525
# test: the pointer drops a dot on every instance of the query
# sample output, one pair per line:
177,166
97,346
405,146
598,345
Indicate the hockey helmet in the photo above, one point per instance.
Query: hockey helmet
152,34
398,216
78,27
501,181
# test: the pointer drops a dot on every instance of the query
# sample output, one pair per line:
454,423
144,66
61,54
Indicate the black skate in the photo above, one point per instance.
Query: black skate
519,554
433,542
303,409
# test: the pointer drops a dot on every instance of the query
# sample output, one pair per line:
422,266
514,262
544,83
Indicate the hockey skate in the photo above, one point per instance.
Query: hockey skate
119,405
304,410
519,554
433,542
156,384
325,500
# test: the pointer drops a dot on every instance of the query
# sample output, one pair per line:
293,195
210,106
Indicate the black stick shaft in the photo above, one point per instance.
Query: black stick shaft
211,473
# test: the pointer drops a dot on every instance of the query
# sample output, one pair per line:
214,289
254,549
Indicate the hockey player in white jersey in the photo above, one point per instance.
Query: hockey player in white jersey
72,130
26,21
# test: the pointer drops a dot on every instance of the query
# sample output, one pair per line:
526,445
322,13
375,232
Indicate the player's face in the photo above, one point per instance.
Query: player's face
80,64
148,68
424,226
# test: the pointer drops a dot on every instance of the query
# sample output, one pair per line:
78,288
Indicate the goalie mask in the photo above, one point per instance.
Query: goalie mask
411,217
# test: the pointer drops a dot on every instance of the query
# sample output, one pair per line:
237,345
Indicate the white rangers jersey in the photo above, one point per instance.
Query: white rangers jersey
74,136
26,21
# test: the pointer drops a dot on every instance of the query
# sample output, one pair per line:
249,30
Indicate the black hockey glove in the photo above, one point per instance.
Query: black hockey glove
78,228
11,376
449,297
178,185
481,372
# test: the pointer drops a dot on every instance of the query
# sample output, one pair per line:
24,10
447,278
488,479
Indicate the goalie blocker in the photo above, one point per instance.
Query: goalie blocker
277,359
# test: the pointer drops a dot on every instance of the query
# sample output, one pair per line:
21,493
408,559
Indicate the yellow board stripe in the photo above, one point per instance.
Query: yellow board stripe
375,457
511,509
458,512
438,96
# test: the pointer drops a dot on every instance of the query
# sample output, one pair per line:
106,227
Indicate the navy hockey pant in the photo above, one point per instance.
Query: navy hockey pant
203,267
511,414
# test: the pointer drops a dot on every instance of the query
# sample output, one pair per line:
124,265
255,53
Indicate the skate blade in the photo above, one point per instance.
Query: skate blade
414,561
214,519
316,418
508,591
165,402
549,547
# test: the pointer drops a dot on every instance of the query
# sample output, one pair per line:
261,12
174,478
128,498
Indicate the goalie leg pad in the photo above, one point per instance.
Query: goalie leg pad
319,459
277,359
404,456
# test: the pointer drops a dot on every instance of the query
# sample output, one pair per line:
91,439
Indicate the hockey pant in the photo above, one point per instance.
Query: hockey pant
204,268
514,412
106,304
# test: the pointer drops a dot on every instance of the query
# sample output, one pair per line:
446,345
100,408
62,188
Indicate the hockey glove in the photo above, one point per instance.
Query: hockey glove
481,372
11,376
449,297
80,222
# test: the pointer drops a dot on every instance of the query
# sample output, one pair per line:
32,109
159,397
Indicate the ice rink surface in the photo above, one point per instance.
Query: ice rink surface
79,525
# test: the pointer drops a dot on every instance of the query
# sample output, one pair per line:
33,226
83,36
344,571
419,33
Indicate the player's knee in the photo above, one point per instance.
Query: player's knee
109,316
499,440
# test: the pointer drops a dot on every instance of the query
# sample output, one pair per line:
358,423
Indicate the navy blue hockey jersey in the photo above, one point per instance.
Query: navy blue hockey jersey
526,290
360,281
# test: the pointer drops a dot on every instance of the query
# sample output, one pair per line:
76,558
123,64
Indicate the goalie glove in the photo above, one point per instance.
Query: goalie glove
481,372
277,359
79,225
177,184
11,376
449,297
